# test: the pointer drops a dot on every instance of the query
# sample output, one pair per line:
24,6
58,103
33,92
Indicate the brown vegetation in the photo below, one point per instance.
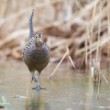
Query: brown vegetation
83,25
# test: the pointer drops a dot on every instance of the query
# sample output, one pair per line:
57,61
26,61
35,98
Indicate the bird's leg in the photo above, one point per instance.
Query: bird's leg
38,87
38,83
33,77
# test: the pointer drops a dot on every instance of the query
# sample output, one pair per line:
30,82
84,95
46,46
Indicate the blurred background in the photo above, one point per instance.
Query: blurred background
82,25
77,31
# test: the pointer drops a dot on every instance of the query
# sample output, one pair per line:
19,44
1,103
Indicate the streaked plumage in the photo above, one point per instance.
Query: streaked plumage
36,53
36,58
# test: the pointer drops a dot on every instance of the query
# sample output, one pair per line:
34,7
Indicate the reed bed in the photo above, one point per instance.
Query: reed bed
82,25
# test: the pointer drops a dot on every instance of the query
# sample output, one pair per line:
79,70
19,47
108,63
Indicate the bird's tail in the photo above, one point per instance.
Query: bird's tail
31,34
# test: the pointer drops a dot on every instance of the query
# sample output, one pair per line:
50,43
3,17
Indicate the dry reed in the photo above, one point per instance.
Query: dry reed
82,25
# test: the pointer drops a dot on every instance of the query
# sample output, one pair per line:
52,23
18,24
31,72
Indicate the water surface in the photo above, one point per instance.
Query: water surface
68,90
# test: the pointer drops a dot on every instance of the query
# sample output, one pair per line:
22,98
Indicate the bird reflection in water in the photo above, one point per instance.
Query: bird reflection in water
38,102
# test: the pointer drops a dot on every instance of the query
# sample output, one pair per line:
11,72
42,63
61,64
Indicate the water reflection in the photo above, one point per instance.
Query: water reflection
38,102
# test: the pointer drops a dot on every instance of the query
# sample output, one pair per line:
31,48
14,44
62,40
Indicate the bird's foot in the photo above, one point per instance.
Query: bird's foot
38,88
34,79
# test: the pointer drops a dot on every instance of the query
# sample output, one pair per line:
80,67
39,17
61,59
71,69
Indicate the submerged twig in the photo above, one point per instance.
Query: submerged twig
58,65
69,57
100,73
27,98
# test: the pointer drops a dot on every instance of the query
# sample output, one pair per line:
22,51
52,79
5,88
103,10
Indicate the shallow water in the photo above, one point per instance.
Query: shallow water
68,90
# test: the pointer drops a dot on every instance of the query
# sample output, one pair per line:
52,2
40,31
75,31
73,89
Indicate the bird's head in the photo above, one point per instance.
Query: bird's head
39,39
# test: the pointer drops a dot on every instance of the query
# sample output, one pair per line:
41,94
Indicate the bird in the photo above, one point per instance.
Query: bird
36,53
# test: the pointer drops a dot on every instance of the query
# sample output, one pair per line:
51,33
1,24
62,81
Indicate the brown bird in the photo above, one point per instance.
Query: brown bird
36,54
